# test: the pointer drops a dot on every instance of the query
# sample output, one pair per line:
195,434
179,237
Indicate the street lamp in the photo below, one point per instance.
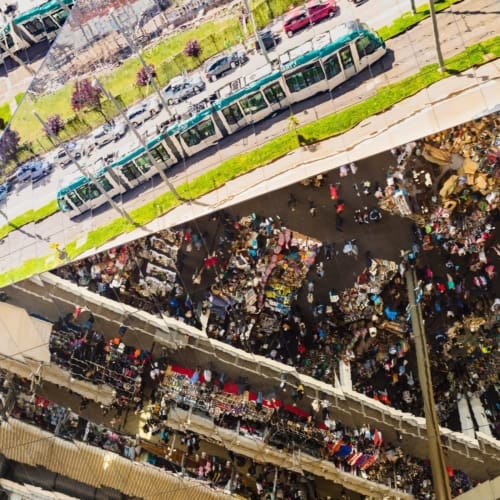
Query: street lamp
257,34
436,456
85,173
435,30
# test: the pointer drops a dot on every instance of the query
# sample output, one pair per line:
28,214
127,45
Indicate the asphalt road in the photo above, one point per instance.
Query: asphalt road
403,58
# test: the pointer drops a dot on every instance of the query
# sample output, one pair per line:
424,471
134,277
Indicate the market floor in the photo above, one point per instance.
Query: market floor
384,239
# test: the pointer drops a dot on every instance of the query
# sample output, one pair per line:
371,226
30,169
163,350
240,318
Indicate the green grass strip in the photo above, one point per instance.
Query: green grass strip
5,114
328,126
408,20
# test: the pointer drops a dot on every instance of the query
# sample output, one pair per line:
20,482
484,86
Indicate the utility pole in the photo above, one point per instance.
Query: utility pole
435,30
412,7
256,32
438,465
85,173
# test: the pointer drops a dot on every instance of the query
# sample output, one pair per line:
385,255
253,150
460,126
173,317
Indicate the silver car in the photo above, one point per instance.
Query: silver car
181,88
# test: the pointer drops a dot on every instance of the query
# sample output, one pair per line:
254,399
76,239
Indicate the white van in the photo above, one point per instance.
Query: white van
33,171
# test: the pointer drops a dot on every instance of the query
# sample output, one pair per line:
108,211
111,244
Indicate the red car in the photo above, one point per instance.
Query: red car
312,12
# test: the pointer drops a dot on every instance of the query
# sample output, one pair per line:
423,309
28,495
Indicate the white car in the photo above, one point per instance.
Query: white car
102,136
61,157
33,170
137,115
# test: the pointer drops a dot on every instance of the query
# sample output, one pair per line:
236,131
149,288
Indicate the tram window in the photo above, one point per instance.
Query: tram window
365,46
332,66
305,77
75,199
346,57
274,93
10,43
35,27
232,114
160,153
143,163
64,205
104,182
88,192
60,17
254,103
50,24
198,133
130,171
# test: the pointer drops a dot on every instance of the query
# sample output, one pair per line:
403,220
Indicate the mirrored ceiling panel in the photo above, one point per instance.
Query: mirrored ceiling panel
146,114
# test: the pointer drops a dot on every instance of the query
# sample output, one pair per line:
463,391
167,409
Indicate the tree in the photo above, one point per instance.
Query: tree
54,124
9,142
85,95
293,125
144,75
192,48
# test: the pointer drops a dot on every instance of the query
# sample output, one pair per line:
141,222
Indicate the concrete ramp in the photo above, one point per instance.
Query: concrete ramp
345,375
466,423
480,416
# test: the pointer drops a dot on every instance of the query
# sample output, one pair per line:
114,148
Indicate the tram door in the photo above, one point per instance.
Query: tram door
347,62
276,96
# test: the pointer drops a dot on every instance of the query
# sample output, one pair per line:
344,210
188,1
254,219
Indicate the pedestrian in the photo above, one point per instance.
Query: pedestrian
339,206
353,167
292,202
358,218
327,251
368,258
320,270
366,216
343,171
338,223
350,248
312,208
300,391
375,215
334,194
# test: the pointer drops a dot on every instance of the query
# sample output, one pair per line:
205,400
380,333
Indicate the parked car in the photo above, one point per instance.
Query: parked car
313,12
137,115
119,130
61,158
153,107
33,170
269,39
183,87
102,136
4,190
223,63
